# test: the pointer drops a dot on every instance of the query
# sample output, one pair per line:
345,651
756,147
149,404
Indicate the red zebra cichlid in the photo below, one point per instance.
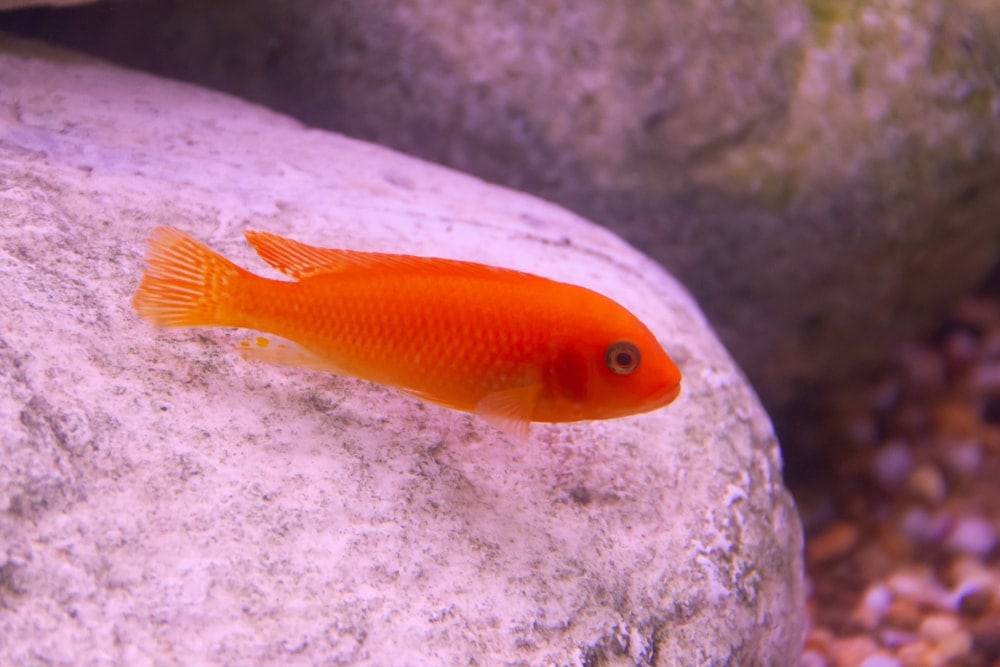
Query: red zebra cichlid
509,346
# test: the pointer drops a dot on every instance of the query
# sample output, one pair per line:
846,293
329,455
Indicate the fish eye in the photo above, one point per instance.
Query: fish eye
622,357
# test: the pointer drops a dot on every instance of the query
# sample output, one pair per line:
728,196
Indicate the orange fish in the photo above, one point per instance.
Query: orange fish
509,346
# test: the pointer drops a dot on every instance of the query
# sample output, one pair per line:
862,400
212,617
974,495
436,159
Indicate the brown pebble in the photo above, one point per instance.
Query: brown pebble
976,603
903,614
916,654
819,640
836,541
990,437
936,627
894,544
956,645
991,345
852,650
987,377
957,419
928,484
947,636
986,636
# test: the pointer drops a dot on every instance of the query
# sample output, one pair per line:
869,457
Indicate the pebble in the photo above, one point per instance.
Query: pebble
906,556
928,484
973,601
893,463
880,660
986,636
973,535
945,633
874,606
894,639
973,576
939,627
987,377
957,419
812,658
963,456
919,587
924,366
920,526
922,654
903,614
853,650
961,347
834,542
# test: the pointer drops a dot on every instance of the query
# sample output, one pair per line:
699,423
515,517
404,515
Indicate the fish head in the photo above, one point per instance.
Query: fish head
634,374
606,372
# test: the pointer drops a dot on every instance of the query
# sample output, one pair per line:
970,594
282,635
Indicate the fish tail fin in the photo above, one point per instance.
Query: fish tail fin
186,284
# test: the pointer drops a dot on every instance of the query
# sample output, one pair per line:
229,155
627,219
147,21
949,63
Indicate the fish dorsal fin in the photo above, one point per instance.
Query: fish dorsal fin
299,260
510,409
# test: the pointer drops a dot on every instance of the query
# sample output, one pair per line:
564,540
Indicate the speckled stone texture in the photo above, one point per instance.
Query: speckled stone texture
824,175
163,501
23,4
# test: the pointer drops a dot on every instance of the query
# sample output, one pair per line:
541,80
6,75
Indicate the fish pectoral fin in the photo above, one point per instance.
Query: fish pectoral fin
510,409
285,352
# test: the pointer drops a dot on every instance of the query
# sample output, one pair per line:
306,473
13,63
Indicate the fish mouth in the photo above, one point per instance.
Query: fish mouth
666,395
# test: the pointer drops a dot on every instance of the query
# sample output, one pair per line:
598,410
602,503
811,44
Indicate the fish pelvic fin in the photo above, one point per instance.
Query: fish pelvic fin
186,284
510,409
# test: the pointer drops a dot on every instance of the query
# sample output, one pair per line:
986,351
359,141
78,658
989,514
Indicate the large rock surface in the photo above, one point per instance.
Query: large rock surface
823,175
164,502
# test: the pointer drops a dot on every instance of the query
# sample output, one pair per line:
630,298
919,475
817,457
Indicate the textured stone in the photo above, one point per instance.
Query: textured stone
23,4
163,501
822,174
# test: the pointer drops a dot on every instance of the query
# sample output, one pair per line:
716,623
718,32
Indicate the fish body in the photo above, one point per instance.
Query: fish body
510,346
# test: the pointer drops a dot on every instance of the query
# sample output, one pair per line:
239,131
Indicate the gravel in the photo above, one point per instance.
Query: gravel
901,538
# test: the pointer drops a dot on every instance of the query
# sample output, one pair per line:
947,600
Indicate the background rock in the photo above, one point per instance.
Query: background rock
163,501
822,174
21,4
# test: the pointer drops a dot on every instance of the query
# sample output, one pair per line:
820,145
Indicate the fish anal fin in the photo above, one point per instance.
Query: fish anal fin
510,409
285,353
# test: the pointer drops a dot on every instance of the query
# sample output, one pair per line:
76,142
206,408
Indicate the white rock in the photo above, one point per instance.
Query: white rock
164,501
